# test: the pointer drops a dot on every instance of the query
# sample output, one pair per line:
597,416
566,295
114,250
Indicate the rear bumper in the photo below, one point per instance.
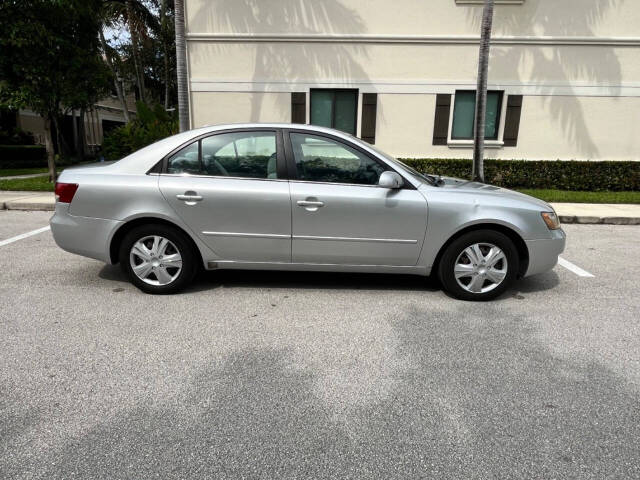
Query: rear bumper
86,236
543,254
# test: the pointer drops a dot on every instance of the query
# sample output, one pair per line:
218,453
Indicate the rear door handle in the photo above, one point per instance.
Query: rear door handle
309,203
189,198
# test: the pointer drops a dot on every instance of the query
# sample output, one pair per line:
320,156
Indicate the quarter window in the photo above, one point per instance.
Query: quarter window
335,109
321,159
464,113
185,161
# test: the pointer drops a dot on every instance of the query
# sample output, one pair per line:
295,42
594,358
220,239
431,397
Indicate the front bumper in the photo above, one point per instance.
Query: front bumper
543,254
86,236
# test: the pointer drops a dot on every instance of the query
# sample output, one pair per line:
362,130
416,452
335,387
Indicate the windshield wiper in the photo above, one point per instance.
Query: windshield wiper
435,180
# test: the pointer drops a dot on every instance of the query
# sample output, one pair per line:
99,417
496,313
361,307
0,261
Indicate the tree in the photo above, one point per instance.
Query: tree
181,67
481,92
50,59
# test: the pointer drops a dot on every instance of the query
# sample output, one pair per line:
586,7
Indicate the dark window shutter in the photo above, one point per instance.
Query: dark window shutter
512,121
369,112
441,122
298,107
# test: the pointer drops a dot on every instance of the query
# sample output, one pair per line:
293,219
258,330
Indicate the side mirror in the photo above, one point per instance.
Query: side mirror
390,180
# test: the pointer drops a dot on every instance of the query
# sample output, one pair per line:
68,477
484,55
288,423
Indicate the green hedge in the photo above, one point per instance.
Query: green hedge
22,156
559,175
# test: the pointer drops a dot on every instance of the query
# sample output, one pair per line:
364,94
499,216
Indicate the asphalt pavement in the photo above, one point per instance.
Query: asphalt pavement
304,375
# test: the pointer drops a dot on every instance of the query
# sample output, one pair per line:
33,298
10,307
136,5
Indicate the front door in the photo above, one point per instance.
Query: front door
341,216
225,187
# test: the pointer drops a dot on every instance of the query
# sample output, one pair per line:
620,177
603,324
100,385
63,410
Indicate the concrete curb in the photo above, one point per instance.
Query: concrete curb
599,220
37,201
30,206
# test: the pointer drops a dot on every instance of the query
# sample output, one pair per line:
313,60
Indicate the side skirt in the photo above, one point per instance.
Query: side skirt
316,267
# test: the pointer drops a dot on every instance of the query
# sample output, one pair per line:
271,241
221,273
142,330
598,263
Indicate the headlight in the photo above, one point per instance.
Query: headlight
551,219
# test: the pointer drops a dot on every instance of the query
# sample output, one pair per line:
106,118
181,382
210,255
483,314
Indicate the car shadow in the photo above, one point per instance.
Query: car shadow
212,279
311,280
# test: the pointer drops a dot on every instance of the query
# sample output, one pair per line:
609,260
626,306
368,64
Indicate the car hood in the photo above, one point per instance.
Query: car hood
483,189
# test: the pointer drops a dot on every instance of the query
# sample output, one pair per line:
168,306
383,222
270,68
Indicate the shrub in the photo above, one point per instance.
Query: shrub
16,136
22,156
149,126
560,175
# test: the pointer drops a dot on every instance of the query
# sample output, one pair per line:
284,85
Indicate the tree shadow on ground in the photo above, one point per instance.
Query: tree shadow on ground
474,394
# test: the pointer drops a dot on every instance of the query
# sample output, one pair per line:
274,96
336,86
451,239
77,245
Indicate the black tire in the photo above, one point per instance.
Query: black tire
446,267
182,244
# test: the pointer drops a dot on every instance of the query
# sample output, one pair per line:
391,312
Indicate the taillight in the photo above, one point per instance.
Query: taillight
65,191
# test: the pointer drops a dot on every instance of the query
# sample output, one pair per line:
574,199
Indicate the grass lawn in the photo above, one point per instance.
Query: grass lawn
38,184
9,172
563,196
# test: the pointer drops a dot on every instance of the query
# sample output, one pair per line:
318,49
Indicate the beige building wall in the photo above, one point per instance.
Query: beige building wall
576,62
236,107
413,17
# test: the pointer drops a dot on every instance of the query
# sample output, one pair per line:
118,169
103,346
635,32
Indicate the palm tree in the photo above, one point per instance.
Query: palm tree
481,92
137,17
108,55
181,67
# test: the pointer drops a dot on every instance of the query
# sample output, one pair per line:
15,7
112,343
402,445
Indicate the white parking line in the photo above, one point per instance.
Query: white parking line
574,268
24,235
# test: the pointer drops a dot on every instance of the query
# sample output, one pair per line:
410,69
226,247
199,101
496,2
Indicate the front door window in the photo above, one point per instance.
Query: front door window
320,159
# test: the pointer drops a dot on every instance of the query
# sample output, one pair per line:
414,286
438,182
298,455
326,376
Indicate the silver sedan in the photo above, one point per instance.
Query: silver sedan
296,197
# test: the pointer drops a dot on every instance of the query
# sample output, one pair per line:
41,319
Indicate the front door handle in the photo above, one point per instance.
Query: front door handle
310,203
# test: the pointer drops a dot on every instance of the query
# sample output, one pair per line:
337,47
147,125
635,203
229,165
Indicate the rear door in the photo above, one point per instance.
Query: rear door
339,213
230,189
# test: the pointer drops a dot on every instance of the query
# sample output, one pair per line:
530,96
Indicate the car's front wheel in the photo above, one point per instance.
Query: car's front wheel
479,265
158,259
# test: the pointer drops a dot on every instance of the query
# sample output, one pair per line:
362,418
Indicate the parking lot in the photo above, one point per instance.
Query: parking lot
303,375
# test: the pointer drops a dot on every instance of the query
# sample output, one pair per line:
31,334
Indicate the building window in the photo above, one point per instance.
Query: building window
464,113
335,109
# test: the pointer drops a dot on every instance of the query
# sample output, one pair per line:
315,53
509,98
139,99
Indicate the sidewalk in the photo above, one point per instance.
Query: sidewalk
28,175
584,213
26,200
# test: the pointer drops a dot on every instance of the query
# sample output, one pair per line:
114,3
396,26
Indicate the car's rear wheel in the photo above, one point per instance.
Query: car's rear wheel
480,265
158,259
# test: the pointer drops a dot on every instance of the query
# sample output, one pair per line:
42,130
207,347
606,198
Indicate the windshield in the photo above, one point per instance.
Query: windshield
422,176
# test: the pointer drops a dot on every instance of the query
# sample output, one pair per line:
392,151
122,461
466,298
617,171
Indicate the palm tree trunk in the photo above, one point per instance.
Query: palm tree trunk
134,50
181,67
165,50
81,134
481,92
48,143
114,72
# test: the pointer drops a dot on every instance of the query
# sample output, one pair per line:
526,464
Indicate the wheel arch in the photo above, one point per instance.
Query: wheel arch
118,236
514,236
